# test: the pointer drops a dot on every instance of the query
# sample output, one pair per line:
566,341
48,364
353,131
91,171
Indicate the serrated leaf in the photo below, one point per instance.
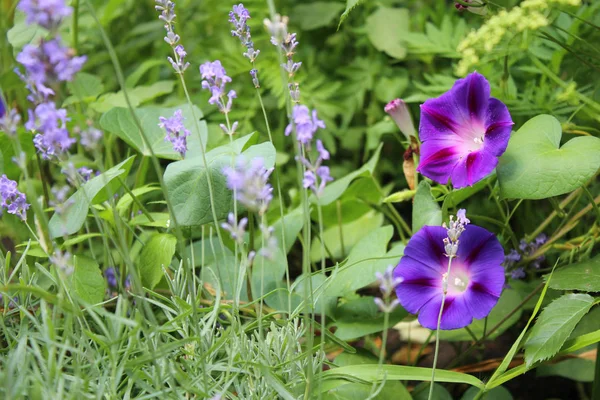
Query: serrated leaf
584,276
426,211
350,5
554,326
156,254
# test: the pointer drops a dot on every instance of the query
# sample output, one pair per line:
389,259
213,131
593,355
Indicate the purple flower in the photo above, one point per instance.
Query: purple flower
250,183
235,229
398,110
305,123
511,258
90,138
48,63
53,138
214,79
86,173
13,201
179,64
239,17
473,287
111,277
463,131
46,13
9,121
175,132
518,273
2,108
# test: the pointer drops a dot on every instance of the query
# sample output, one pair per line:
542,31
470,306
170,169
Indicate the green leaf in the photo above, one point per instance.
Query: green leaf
120,122
156,254
426,211
497,393
87,280
372,373
554,326
385,28
187,181
316,15
362,263
421,392
351,233
577,369
289,228
584,276
535,167
84,87
137,96
89,193
335,189
23,33
399,197
359,317
126,200
350,5
359,391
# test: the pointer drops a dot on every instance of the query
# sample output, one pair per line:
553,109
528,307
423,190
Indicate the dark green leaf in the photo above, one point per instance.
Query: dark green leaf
426,211
584,276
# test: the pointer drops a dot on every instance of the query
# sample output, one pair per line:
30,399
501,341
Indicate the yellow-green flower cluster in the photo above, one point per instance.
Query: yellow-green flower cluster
529,15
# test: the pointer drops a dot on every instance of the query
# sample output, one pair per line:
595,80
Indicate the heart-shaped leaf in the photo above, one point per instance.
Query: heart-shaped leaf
536,167
120,122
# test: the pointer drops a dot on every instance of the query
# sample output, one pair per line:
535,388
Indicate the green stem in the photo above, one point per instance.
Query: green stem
76,25
437,335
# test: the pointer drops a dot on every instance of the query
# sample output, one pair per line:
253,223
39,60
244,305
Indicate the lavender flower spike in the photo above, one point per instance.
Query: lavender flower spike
9,121
398,110
11,199
305,123
473,287
175,132
45,13
463,131
250,182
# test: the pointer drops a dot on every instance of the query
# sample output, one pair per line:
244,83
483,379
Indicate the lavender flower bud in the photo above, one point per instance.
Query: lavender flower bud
9,121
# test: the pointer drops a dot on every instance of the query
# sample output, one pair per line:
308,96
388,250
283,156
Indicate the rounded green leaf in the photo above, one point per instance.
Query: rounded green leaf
156,254
535,166
87,280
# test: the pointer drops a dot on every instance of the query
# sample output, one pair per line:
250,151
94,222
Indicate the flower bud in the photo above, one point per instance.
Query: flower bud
398,110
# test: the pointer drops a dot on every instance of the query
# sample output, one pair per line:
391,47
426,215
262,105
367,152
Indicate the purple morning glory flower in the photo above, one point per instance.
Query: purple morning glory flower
46,13
398,110
473,287
463,131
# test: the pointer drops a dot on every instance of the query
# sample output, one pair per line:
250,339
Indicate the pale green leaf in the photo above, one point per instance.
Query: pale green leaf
426,211
584,276
156,255
316,15
87,280
386,29
534,165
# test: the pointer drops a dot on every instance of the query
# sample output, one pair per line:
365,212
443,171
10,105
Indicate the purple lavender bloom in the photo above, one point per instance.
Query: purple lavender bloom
175,132
53,138
250,183
90,138
110,274
239,17
9,121
323,153
235,229
11,199
179,64
86,173
2,108
214,79
46,13
473,287
518,273
48,63
398,110
254,75
305,123
463,131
